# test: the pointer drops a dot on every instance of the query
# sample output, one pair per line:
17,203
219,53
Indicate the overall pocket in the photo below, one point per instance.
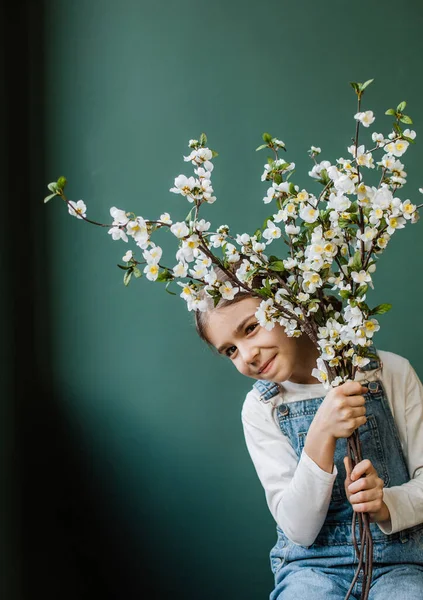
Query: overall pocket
280,551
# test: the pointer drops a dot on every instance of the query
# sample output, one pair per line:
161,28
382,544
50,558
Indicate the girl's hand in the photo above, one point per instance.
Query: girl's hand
342,411
364,489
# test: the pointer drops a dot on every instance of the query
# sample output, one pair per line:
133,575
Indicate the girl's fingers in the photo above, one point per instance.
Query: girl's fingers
358,411
364,483
364,467
366,496
356,401
348,466
353,387
368,507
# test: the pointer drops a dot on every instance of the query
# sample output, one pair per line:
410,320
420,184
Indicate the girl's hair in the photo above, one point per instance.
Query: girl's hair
201,317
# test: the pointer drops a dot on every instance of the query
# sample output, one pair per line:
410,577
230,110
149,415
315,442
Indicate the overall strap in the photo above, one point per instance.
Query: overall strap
375,362
266,389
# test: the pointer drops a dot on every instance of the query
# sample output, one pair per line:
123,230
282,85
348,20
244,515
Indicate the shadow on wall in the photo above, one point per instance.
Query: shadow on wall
64,544
73,545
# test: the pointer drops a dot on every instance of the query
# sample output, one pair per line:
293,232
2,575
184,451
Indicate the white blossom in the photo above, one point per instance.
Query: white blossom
308,213
265,312
119,216
228,291
271,232
152,271
366,118
118,234
154,255
180,269
77,209
360,277
184,185
165,218
180,229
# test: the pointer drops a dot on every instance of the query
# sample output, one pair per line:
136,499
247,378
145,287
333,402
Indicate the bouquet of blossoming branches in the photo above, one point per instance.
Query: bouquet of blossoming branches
333,242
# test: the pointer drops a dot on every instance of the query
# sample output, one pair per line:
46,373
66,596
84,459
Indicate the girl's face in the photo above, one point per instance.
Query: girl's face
256,352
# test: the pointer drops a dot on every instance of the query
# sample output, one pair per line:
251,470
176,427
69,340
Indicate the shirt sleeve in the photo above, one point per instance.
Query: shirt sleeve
298,492
405,502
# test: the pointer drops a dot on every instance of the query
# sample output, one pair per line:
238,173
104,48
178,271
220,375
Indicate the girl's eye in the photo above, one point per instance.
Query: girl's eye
229,351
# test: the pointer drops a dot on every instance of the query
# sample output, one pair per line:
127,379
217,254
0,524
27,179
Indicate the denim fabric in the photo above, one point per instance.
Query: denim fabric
325,569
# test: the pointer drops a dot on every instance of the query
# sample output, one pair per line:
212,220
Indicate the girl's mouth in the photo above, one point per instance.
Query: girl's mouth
267,366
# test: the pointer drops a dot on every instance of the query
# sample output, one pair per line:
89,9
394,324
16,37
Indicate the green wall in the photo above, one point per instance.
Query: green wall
146,478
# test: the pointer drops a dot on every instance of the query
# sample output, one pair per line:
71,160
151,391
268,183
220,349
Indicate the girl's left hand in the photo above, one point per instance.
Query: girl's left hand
365,493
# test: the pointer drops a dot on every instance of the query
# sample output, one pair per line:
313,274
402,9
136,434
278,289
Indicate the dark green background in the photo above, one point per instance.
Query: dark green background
135,472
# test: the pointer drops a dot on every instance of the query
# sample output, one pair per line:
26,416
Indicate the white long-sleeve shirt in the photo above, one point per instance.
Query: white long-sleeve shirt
298,492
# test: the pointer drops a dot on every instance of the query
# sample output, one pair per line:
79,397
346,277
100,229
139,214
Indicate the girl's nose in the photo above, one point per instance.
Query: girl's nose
249,353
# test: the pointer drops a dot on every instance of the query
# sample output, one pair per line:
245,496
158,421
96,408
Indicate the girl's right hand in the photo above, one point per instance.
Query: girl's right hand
342,410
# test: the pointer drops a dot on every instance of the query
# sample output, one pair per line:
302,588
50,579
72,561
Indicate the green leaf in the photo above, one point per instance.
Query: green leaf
380,309
137,273
361,290
252,273
262,292
365,84
216,300
277,178
401,106
355,85
47,198
345,294
344,223
267,138
408,139
61,183
273,258
390,111
277,265
127,277
356,263
168,291
261,147
203,139
257,234
264,226
52,187
164,275
324,177
214,154
124,268
406,119
292,189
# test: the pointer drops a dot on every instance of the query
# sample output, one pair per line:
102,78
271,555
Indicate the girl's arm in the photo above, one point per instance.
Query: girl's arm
298,493
405,502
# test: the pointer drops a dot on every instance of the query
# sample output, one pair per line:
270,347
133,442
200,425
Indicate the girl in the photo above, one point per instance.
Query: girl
296,433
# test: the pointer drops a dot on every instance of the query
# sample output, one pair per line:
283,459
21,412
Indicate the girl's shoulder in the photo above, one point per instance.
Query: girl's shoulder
392,364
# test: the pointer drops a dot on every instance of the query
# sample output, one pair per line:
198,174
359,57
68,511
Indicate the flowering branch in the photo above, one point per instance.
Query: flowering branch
334,242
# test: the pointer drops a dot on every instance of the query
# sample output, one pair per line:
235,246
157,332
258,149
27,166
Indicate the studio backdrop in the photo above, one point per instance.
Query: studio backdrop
135,476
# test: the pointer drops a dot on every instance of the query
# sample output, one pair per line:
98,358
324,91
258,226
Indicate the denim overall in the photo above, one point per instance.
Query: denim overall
325,569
